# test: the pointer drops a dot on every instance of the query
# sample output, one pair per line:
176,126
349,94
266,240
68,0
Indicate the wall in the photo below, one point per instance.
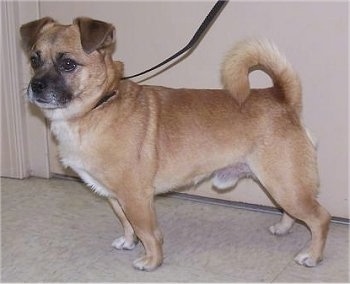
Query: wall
313,35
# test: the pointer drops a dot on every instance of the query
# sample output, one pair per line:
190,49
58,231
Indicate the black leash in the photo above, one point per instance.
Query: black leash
205,24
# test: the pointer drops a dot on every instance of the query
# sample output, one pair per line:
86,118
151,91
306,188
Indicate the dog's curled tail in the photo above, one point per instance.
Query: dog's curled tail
254,54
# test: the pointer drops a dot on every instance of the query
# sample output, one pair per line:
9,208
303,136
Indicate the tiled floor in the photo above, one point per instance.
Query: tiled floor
58,231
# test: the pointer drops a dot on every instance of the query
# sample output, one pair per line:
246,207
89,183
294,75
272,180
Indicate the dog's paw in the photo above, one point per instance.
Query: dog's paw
306,259
279,229
147,263
123,243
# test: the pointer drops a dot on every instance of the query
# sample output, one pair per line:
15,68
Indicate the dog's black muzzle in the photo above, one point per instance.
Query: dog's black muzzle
49,91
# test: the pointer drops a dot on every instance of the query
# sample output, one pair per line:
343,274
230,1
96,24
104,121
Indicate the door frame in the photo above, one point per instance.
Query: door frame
24,142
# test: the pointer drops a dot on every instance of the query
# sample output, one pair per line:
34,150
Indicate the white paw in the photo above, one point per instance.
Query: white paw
305,259
279,229
147,263
122,243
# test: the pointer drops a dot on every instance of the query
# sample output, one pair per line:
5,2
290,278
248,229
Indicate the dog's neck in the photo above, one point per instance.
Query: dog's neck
105,98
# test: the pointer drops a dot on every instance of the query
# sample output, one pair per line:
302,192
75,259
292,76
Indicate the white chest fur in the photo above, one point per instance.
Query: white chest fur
71,154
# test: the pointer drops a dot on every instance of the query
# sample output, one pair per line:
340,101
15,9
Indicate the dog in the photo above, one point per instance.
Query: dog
129,142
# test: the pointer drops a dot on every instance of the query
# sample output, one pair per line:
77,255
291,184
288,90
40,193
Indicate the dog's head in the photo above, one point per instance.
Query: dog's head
72,64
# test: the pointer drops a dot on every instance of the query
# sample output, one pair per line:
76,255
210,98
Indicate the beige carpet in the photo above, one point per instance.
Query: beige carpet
58,231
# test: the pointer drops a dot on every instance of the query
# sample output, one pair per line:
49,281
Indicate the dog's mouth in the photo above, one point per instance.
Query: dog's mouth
48,99
49,96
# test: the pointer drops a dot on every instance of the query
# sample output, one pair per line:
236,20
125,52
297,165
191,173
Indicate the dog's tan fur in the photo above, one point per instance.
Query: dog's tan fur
147,140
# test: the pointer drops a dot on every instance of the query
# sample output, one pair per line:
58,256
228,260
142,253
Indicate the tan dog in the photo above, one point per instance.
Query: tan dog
129,142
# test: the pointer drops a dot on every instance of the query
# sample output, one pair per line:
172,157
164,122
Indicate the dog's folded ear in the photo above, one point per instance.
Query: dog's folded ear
30,31
95,34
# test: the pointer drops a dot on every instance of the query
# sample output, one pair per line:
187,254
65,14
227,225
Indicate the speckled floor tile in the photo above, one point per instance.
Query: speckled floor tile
59,231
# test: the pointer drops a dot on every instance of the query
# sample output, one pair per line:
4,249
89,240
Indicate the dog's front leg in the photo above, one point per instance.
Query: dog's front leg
129,240
141,215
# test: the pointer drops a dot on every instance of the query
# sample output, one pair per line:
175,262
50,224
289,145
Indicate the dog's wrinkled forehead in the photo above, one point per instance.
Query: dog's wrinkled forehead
59,38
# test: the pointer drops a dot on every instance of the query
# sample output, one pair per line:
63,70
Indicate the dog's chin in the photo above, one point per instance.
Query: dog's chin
48,105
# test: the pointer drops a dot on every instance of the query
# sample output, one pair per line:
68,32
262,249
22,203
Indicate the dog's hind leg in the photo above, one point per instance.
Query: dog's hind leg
289,174
129,240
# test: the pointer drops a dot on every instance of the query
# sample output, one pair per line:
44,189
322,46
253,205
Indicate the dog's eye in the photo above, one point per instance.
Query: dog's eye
67,65
35,62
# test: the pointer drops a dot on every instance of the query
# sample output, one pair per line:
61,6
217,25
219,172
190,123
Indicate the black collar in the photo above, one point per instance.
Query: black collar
105,98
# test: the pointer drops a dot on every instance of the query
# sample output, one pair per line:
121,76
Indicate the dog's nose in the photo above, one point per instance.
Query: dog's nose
38,86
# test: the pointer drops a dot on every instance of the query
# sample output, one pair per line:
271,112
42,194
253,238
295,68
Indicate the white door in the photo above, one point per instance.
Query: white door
315,43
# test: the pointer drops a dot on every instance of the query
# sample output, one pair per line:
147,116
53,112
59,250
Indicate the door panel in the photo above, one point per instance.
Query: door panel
316,45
